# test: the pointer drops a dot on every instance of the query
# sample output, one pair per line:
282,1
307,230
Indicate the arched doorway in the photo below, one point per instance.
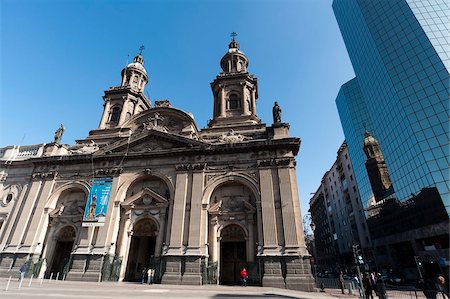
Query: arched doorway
63,249
233,254
142,247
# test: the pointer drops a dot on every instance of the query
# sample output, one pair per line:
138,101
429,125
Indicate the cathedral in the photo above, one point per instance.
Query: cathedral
149,189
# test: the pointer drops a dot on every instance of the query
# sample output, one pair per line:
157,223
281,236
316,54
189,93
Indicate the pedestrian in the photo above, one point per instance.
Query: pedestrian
143,274
380,287
355,282
150,274
244,276
341,281
23,270
428,288
368,285
441,287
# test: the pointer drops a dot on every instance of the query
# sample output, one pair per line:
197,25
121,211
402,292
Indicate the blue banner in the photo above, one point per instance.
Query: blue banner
97,203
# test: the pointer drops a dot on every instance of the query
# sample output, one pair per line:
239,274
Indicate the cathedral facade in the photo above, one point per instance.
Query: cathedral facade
149,189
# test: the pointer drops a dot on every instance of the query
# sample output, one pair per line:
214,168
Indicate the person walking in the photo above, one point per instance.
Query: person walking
441,287
143,274
244,276
150,274
23,270
368,285
341,281
380,287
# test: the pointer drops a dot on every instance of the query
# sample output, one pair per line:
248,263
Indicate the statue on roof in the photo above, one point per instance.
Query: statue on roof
58,134
276,111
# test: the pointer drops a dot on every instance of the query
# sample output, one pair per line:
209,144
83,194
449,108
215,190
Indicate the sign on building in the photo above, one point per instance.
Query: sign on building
97,203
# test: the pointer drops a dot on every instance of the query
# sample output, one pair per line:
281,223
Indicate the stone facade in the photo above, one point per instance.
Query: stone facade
181,198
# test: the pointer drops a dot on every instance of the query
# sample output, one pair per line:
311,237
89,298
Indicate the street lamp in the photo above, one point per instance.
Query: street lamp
313,228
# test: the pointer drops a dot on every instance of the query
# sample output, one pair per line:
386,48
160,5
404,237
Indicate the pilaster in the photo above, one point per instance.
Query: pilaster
268,212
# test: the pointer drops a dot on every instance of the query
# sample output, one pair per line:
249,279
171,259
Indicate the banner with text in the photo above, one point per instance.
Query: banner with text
97,203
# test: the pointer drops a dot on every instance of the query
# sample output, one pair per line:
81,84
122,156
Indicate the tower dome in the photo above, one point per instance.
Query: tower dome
234,61
138,63
134,74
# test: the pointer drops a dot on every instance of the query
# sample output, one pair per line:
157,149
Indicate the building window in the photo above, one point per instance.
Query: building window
115,114
234,102
8,199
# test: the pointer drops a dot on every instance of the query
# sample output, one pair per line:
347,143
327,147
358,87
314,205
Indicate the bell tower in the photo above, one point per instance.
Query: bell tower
128,99
235,91
376,168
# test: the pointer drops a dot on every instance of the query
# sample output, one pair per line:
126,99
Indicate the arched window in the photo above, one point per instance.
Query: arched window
115,114
234,102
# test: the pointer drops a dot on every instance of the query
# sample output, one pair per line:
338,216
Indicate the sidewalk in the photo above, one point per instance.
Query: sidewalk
337,293
114,290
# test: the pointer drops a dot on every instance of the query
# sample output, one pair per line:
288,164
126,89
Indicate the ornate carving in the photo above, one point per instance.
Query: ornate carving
109,171
232,233
276,162
3,177
154,123
190,167
66,234
151,145
233,204
145,228
88,148
163,103
46,174
231,137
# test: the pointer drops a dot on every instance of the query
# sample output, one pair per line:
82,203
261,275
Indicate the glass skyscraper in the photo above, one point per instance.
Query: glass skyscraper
400,52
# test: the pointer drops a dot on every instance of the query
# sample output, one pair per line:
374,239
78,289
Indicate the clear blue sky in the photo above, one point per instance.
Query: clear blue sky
57,58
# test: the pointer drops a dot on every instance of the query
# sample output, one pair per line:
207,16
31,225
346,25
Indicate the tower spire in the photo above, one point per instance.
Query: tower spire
141,48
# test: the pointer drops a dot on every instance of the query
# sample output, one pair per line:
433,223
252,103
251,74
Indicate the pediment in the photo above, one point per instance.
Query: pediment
165,118
145,198
148,141
232,204
67,209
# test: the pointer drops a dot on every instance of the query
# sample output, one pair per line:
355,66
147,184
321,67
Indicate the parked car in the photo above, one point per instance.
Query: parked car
392,279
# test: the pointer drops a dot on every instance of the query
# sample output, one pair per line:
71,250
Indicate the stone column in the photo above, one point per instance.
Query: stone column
175,252
268,212
244,100
222,100
289,212
38,226
106,110
251,239
124,244
162,225
124,111
196,214
254,101
26,213
13,217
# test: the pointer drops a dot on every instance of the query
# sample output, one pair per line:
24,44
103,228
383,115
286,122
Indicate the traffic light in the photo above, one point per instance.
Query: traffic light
418,261
360,260
358,255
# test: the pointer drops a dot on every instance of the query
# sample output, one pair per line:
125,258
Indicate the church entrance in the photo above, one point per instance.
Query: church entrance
233,254
62,251
142,248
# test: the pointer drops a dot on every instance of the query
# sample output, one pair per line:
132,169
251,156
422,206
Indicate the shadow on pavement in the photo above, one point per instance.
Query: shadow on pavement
256,296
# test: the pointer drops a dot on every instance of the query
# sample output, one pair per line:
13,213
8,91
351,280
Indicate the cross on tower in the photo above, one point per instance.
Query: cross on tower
141,48
233,35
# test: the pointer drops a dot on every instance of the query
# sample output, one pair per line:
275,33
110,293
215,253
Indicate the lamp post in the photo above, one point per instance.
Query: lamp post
313,243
